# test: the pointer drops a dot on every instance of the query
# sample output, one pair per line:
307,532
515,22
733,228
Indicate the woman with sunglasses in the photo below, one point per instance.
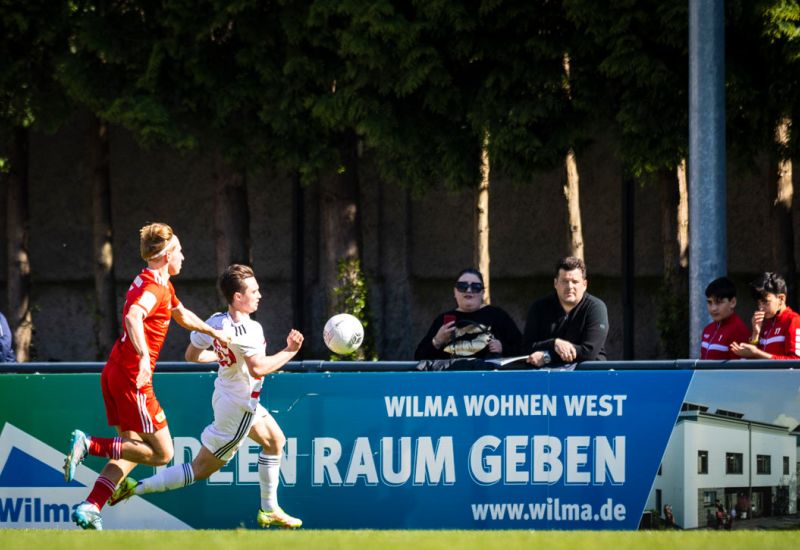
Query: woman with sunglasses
472,329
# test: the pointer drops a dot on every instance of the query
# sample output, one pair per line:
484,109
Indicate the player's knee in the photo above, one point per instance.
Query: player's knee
162,458
275,444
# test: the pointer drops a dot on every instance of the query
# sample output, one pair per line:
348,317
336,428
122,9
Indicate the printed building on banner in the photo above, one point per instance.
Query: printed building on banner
747,465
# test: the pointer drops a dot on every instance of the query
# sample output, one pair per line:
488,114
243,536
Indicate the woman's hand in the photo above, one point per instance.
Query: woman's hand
495,346
444,335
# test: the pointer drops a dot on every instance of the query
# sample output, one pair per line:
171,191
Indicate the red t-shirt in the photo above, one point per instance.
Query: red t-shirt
780,336
156,296
717,338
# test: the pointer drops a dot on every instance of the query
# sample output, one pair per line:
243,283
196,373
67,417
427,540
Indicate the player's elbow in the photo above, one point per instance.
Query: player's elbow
134,315
192,354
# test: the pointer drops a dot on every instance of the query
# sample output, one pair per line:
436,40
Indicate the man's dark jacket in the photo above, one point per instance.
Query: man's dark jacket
586,327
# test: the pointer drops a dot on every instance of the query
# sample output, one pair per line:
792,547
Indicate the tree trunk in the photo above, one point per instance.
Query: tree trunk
106,328
231,216
482,257
683,218
673,321
572,185
340,220
782,189
572,195
19,267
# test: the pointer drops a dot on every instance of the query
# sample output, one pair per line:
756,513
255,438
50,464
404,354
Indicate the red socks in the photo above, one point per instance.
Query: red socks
101,492
109,447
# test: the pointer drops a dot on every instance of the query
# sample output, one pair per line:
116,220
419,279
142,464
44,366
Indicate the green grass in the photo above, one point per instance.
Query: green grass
385,540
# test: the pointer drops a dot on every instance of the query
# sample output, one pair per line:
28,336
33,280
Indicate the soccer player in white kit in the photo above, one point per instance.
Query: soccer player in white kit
237,412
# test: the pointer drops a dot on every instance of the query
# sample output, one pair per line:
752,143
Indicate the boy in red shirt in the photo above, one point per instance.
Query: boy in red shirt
726,326
776,328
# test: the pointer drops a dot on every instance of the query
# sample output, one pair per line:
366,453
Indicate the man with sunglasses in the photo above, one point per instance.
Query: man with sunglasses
472,329
568,326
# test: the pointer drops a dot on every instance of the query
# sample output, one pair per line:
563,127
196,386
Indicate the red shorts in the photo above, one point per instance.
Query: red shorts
130,408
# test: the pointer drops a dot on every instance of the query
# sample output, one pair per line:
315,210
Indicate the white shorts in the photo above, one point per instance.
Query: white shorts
231,425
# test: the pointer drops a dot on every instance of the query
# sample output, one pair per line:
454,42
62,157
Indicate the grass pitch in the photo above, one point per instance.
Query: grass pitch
386,540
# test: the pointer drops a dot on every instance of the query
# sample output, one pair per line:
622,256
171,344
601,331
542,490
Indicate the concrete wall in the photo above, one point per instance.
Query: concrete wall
413,246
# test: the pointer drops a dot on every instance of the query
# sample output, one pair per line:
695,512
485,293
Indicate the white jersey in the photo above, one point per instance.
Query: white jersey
234,381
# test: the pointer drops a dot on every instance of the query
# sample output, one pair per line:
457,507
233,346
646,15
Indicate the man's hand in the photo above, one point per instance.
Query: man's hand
294,340
224,338
145,372
536,359
565,350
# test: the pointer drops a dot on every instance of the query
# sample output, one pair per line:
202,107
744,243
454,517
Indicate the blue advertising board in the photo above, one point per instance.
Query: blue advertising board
561,450
421,450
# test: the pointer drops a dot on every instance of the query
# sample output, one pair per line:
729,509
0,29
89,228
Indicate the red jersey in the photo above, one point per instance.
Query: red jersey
717,338
156,296
780,336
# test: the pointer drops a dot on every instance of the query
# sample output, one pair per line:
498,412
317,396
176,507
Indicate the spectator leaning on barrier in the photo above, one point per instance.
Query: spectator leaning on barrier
726,327
6,346
569,325
472,329
776,328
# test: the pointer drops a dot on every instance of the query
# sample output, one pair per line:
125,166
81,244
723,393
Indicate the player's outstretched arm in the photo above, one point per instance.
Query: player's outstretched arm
190,321
261,365
194,354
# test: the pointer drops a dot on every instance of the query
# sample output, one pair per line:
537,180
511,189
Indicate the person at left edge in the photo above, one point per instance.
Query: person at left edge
131,404
6,345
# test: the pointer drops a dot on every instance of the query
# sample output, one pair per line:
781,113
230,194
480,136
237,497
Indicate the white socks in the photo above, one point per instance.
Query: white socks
170,478
269,473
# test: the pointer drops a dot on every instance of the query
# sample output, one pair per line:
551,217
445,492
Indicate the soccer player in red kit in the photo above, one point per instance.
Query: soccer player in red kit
131,405
726,326
776,328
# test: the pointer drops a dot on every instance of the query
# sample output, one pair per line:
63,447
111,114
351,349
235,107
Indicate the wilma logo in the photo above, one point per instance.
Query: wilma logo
33,493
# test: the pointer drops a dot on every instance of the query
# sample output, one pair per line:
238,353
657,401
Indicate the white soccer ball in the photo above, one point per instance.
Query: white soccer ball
343,334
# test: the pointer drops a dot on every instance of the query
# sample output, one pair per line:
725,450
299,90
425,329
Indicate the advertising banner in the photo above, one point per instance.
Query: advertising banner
449,450
732,456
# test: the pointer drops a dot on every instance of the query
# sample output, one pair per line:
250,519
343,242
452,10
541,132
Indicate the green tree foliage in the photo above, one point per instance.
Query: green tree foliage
32,35
174,72
763,75
423,82
352,296
643,52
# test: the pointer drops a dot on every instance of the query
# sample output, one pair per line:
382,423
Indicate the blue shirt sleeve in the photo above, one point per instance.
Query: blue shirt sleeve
6,349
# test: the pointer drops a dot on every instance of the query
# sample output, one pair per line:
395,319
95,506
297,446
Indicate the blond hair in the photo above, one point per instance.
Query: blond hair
154,240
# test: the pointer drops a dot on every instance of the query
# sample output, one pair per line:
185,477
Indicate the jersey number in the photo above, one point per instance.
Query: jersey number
225,356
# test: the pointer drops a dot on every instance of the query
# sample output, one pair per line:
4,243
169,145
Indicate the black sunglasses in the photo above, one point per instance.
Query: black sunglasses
463,286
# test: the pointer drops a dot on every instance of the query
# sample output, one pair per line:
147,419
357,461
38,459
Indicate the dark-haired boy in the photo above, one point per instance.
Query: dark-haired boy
776,328
726,327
